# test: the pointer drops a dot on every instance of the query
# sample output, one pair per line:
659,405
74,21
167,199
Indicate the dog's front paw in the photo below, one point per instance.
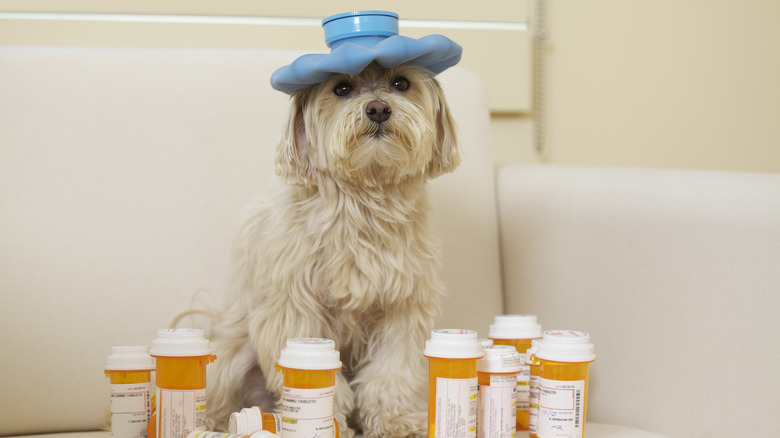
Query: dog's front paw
397,426
345,432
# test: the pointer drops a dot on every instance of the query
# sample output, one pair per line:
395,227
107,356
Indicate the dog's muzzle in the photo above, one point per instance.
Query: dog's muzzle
378,111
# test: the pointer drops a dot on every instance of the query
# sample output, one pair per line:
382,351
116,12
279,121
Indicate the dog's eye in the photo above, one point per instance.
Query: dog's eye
342,89
401,84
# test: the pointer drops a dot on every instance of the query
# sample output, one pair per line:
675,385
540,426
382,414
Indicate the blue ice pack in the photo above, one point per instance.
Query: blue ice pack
359,38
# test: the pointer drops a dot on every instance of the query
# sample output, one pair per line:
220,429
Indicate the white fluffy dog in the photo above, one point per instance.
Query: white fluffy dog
344,251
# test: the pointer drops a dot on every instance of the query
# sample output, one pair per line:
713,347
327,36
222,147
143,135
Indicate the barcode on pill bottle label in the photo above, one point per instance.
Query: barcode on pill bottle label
577,407
560,408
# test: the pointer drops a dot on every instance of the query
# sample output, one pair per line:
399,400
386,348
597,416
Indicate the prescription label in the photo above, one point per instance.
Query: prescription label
130,409
524,386
456,408
533,415
307,413
211,434
278,421
561,405
497,407
179,412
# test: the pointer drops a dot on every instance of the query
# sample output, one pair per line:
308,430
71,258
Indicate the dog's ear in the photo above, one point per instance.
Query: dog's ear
293,162
446,154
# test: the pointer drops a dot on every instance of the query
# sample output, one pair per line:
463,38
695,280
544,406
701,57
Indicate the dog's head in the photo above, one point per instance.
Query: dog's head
373,129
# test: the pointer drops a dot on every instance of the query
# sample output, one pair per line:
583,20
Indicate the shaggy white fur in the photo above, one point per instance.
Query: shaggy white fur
343,251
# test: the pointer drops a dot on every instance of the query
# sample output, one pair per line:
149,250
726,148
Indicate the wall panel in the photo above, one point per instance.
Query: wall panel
495,40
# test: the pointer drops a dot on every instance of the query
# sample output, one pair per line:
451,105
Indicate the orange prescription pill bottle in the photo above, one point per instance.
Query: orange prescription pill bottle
518,331
250,420
151,427
533,406
452,383
497,377
129,369
182,356
309,367
212,434
564,360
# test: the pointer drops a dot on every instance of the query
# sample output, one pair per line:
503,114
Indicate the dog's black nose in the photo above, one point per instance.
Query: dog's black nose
378,111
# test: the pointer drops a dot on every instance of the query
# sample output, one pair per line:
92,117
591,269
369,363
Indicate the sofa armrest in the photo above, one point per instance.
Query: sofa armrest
675,274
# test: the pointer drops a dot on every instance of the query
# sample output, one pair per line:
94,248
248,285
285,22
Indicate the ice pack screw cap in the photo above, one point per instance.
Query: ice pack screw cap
515,327
359,24
566,346
500,359
180,343
130,358
453,344
310,354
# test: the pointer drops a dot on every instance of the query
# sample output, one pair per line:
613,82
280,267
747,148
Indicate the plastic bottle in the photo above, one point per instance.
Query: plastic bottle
151,427
129,369
518,331
533,403
212,434
182,356
564,361
309,367
452,383
250,420
497,377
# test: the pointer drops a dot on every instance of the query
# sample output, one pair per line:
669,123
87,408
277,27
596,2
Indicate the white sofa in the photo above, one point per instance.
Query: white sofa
124,173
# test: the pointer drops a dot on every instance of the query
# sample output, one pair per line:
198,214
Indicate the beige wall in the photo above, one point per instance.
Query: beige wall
661,83
666,83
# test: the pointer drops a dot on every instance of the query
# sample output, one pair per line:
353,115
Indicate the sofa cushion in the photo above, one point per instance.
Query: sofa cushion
124,175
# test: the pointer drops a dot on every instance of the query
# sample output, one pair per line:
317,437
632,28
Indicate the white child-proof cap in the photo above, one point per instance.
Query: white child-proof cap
566,346
310,354
500,359
515,327
130,358
180,343
453,344
246,422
